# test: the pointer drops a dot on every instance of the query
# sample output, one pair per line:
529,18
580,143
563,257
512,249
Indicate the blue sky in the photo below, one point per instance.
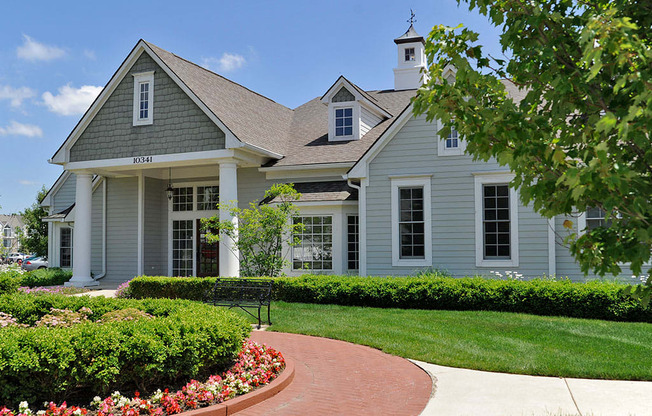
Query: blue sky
56,56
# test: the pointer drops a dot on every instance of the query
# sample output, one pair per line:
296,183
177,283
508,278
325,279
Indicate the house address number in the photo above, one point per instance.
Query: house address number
143,159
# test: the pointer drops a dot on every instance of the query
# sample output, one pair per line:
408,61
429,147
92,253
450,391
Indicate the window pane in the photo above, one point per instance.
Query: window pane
496,221
314,251
411,223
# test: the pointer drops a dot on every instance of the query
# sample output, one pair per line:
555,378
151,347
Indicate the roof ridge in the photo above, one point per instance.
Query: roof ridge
216,74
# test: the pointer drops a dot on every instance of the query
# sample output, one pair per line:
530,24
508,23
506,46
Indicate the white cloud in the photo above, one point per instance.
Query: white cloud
227,63
32,50
26,182
90,54
18,129
71,101
16,95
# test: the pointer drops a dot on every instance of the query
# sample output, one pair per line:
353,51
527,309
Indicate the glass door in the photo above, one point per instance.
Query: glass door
208,254
182,249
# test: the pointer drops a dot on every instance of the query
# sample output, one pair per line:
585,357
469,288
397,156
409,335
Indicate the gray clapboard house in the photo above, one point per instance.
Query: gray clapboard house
382,193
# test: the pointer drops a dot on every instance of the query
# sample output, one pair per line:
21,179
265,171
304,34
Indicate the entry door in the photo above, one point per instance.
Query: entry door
208,254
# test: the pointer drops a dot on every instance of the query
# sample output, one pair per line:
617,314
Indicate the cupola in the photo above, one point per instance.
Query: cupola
411,59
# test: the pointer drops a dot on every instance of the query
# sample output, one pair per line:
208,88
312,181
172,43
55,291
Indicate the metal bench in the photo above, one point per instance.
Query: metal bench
242,293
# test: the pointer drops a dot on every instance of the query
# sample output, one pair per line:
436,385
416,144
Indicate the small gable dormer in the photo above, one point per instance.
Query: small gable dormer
351,111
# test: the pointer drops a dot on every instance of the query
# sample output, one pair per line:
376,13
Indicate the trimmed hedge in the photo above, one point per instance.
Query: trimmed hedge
593,299
11,279
184,340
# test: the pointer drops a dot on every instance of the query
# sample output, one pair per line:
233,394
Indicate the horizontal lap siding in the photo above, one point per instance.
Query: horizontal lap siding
156,228
122,229
413,151
65,196
251,186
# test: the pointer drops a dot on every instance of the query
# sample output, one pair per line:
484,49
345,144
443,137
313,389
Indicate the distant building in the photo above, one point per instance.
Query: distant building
10,226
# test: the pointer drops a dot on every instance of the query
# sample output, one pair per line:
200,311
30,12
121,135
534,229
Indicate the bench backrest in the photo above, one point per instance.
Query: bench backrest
241,290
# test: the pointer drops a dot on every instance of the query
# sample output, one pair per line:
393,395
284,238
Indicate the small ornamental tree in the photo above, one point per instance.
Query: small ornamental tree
580,136
262,230
34,235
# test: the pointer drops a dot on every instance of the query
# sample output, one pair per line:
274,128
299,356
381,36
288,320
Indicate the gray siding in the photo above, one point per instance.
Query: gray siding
343,95
121,229
414,151
179,125
65,196
251,186
97,237
156,228
368,120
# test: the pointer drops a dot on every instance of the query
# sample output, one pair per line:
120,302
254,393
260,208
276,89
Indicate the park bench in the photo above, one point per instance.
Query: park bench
242,293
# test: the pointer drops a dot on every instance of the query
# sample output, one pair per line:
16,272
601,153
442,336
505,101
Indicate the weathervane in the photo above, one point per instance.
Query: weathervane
412,19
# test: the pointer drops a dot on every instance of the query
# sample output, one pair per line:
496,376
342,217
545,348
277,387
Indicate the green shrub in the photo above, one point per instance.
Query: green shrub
8,284
184,340
593,300
46,277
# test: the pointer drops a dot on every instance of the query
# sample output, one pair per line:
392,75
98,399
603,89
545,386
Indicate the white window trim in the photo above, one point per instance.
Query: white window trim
496,178
442,150
356,121
333,266
138,78
404,182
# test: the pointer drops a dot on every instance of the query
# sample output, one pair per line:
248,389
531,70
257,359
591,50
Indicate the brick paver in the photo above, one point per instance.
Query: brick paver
338,378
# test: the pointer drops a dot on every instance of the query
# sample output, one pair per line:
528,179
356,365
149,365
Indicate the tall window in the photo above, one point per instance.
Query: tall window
344,121
182,259
409,54
411,223
595,217
207,197
315,248
65,247
143,98
7,231
182,199
452,140
496,221
353,242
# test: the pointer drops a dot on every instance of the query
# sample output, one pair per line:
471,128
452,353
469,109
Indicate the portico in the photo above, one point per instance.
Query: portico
172,193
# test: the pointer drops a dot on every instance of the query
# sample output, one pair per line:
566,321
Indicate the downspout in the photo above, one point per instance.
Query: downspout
362,222
103,230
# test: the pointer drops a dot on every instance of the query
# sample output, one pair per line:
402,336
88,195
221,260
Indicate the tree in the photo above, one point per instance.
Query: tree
34,236
580,136
261,232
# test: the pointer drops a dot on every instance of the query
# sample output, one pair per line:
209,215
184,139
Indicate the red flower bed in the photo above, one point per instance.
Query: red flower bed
256,366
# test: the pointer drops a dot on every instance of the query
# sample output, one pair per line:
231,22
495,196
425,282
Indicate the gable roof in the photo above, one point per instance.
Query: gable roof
253,118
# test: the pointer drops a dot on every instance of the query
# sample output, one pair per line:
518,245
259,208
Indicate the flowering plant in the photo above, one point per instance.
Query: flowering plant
256,366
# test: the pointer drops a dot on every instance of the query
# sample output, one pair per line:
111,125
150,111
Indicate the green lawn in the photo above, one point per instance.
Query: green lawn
493,341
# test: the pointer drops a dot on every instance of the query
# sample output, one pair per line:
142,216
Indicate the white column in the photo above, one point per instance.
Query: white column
229,256
362,227
81,250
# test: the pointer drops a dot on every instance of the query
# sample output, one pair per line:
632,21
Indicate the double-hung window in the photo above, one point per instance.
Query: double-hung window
452,144
353,242
411,222
344,122
496,221
409,54
315,248
595,217
143,98
65,247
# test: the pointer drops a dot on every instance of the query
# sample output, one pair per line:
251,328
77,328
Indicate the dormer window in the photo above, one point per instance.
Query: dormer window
143,98
344,122
409,54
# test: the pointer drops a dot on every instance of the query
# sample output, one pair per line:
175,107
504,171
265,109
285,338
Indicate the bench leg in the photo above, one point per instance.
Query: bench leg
259,322
269,319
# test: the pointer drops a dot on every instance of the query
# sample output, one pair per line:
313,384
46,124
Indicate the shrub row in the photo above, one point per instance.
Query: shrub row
184,340
593,299
11,279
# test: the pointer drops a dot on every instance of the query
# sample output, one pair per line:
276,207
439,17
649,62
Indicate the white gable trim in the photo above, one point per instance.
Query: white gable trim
361,168
47,201
63,154
343,82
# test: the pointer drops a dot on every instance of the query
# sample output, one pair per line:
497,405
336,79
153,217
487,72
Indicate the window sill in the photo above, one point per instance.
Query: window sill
412,263
496,263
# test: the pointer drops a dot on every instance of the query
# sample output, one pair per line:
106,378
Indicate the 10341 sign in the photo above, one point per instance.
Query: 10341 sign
143,159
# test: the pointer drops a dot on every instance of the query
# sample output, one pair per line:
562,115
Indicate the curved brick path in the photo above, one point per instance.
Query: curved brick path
338,378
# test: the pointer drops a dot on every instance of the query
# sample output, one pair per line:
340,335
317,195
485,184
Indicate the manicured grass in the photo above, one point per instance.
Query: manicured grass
492,341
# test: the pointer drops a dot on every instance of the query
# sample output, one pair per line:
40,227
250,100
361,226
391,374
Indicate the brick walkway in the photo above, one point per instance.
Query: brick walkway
338,378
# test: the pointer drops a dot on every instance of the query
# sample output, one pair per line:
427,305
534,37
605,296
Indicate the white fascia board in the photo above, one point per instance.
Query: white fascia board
157,161
361,168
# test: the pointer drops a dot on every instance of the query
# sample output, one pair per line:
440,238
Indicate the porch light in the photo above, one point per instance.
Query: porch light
169,190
